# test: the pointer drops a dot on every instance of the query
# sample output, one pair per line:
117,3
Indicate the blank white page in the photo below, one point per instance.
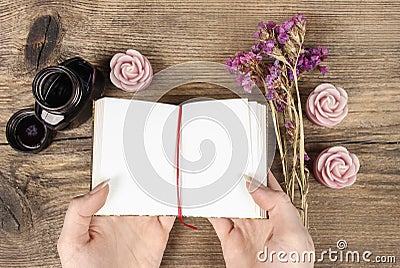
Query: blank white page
130,195
217,149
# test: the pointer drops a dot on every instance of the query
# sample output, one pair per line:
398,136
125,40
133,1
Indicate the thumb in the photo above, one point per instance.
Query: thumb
80,212
276,202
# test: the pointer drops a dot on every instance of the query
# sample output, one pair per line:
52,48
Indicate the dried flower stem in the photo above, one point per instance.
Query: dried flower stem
279,140
281,147
303,182
283,44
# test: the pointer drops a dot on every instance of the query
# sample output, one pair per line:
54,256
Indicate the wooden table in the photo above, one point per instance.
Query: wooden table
363,38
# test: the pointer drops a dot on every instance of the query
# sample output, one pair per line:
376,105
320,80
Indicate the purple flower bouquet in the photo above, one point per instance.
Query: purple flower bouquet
276,63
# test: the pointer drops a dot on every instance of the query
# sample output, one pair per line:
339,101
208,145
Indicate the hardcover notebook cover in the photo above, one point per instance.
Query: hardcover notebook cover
154,168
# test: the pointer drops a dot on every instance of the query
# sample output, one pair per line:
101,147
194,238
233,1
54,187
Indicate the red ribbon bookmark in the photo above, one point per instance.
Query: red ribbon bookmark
178,191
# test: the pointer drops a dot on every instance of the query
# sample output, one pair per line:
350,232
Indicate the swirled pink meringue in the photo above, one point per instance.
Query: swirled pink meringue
336,167
130,71
327,105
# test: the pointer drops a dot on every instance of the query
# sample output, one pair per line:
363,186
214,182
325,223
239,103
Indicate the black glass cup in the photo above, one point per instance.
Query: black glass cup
25,133
64,95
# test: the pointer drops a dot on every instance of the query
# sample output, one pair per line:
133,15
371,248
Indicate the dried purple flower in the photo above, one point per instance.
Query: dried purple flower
270,95
323,69
284,31
245,81
310,59
273,85
290,124
269,46
233,64
287,25
306,157
228,65
271,25
281,105
257,35
272,80
264,47
282,34
300,18
290,73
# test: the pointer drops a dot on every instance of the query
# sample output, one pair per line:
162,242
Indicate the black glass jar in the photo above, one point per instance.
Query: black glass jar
64,93
63,98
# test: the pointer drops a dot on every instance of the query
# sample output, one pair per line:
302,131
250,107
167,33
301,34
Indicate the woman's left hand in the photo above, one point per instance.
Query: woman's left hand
110,241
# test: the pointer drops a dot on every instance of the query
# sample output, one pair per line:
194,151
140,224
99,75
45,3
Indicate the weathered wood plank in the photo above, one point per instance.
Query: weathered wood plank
365,59
42,39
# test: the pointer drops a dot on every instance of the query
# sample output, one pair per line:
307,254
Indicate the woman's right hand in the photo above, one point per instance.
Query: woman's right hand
243,239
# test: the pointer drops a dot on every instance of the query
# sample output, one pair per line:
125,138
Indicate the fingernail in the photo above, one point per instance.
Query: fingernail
252,184
100,186
248,178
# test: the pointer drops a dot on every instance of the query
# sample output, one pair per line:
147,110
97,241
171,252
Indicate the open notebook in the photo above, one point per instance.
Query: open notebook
135,146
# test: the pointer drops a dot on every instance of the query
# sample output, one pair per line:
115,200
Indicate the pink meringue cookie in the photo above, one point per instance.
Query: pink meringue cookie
336,167
130,71
327,105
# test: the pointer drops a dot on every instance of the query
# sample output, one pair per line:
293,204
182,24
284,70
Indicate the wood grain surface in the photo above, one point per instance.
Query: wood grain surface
363,38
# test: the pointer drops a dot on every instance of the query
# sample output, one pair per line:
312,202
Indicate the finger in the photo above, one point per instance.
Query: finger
167,222
273,183
222,227
276,202
80,212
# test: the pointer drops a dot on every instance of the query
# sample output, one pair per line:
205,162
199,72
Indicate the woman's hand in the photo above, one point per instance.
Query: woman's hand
243,239
110,241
